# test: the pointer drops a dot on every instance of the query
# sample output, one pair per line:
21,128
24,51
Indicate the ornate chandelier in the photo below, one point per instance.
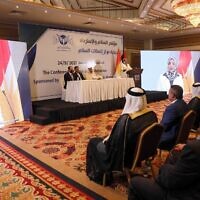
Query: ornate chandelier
190,9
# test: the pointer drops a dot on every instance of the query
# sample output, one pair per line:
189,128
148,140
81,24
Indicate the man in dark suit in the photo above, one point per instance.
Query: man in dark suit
178,178
77,74
172,117
194,104
69,75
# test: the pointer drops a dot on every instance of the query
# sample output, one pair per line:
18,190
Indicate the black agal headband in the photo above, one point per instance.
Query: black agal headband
196,84
137,94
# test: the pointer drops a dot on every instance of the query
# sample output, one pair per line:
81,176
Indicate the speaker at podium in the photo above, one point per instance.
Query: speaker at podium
136,74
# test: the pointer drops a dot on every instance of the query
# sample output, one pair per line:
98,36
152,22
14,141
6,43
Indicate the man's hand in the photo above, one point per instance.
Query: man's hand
179,147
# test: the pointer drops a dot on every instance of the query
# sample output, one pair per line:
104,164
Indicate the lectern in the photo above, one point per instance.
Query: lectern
136,74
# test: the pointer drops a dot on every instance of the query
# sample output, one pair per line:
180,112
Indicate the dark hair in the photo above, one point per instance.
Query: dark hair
177,91
76,67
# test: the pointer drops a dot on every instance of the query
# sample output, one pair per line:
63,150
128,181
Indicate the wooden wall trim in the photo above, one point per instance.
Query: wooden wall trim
9,31
130,43
181,41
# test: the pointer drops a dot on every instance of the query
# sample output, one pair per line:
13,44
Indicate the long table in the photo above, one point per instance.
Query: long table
85,91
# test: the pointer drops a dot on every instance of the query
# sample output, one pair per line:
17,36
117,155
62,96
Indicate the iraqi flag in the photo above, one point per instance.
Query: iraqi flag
10,102
197,72
118,64
185,68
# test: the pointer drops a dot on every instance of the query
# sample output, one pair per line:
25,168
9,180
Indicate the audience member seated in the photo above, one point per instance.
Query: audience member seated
69,75
77,74
172,117
116,150
194,104
178,178
91,75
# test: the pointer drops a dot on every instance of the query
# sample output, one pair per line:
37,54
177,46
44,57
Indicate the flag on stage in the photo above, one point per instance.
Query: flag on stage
118,66
197,72
184,62
184,68
10,104
5,54
124,55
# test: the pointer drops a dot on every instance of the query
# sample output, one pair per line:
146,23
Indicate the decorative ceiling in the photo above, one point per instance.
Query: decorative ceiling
142,19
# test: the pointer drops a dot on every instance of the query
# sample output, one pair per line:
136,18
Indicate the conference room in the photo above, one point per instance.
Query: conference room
45,128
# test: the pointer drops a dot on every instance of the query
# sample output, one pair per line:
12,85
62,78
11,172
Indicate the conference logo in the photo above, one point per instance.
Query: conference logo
64,41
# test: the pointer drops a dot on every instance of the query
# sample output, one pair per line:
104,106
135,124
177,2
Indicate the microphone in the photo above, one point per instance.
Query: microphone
4,93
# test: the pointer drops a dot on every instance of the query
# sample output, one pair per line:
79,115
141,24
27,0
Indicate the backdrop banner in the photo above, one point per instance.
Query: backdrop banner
57,49
15,99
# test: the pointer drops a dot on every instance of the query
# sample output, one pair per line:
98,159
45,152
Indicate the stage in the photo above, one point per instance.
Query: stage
57,110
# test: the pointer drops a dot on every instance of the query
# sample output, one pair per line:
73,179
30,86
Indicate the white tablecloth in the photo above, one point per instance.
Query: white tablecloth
86,91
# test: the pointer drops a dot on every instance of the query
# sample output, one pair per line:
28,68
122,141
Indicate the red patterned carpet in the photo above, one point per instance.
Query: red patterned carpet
66,142
23,177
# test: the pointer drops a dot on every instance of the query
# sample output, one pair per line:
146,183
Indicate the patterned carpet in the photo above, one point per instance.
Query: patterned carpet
24,177
67,141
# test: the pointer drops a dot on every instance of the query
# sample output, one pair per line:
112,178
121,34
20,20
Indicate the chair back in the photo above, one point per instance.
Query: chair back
194,104
185,126
147,143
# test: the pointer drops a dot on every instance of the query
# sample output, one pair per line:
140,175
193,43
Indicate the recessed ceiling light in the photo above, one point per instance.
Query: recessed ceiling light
45,11
17,6
69,15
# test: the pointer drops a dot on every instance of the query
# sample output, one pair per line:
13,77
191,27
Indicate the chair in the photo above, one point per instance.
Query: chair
185,127
146,148
194,104
183,130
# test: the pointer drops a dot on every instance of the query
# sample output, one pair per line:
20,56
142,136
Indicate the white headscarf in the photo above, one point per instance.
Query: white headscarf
196,89
135,100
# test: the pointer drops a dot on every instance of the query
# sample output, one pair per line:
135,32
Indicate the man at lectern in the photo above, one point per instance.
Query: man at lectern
125,67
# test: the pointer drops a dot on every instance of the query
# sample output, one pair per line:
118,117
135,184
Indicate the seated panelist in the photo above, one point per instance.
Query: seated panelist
91,75
78,74
69,76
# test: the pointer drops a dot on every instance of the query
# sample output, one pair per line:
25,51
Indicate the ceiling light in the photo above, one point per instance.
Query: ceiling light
190,9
